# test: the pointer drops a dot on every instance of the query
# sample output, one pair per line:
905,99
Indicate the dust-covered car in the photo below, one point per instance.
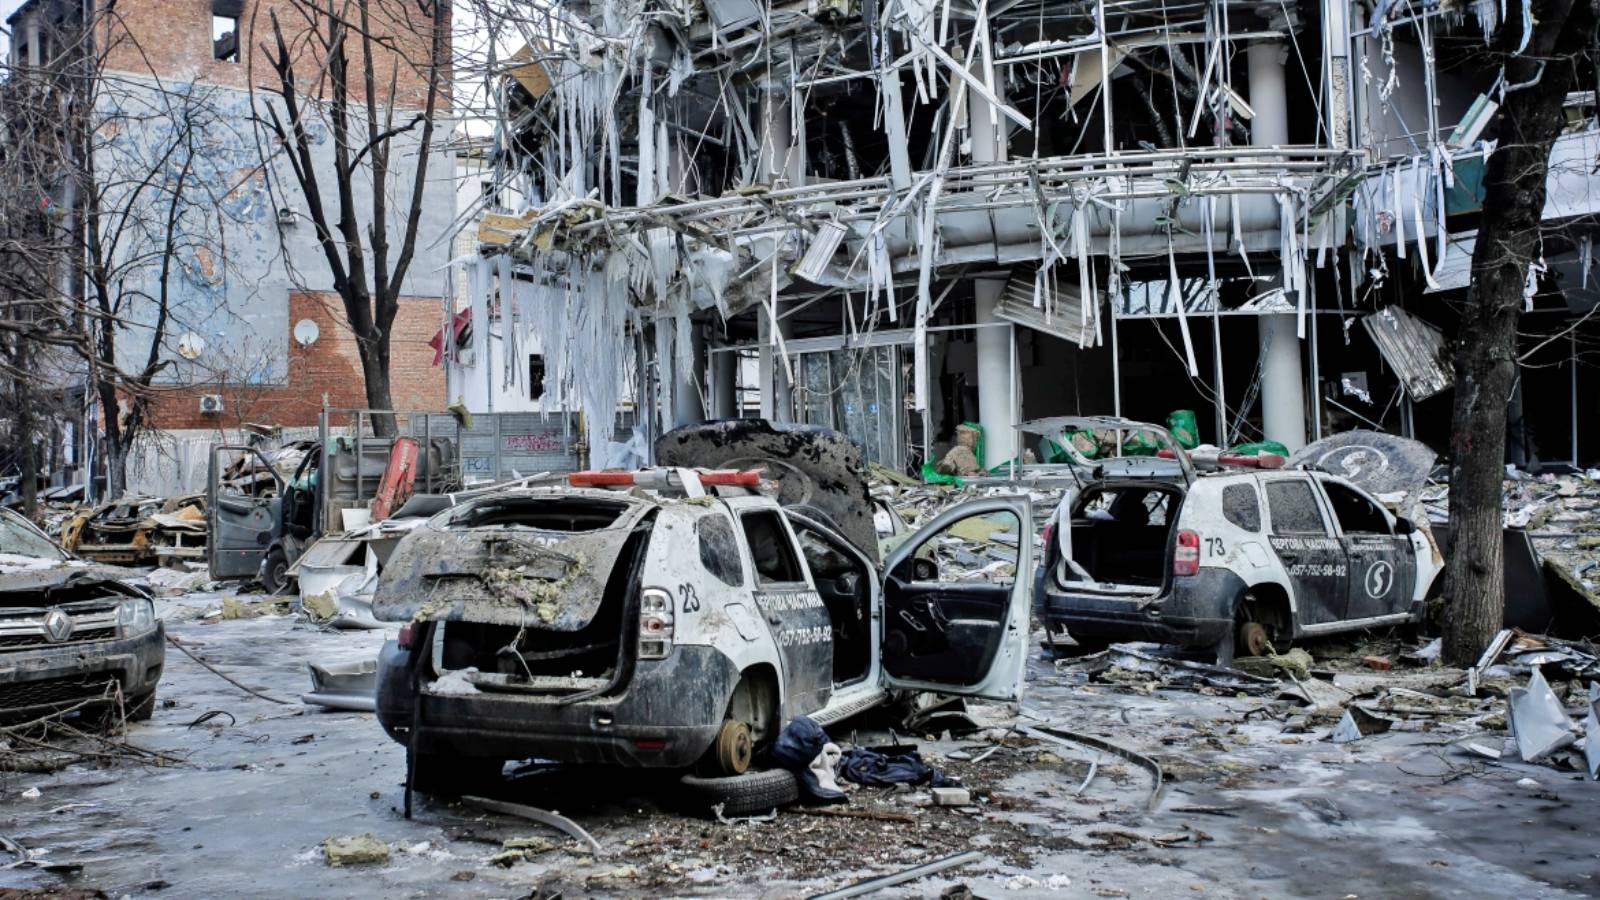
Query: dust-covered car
1236,558
677,619
72,636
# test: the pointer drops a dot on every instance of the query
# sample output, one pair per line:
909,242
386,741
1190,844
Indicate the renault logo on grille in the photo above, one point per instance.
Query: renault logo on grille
57,625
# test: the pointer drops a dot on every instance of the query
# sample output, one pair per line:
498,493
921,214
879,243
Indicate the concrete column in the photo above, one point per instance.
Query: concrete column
1283,402
725,385
777,394
687,406
986,123
779,159
996,376
1270,127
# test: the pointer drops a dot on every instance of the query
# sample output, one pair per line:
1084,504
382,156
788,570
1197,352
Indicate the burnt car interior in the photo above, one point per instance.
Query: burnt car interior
844,583
595,649
948,630
1119,532
599,649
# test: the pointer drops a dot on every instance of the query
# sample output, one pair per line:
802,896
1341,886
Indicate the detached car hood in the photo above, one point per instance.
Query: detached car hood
1375,462
501,574
816,469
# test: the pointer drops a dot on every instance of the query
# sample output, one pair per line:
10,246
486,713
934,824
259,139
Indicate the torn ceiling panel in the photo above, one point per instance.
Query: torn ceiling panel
1413,348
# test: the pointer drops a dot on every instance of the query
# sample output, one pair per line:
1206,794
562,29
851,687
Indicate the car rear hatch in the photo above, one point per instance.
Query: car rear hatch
1117,538
524,590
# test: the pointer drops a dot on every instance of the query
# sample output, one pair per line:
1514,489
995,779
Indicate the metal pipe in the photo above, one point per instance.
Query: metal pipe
874,885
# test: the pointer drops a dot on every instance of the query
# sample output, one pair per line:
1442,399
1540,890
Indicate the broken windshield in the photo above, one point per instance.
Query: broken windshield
18,538
544,513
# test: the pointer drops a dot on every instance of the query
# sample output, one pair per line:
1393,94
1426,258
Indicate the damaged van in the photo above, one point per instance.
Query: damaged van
675,618
1235,559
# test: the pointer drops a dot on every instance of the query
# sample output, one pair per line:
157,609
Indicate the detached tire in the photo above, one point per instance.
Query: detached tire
749,794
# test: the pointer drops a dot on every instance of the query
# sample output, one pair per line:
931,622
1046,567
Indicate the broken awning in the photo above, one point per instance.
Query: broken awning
815,468
503,574
1375,462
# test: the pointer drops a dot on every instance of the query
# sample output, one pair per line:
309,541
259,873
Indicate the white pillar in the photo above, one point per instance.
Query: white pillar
687,405
1283,402
996,375
779,159
1270,126
777,395
724,385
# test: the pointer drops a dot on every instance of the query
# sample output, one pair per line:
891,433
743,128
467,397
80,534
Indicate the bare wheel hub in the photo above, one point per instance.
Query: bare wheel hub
1253,638
734,747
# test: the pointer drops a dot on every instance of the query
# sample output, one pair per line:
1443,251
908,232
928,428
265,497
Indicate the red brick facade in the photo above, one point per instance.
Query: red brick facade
172,39
328,370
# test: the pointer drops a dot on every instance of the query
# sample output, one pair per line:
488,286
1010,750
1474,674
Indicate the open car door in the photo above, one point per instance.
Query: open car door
242,512
955,611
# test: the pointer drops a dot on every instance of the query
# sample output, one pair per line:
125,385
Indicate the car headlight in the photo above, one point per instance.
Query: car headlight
136,615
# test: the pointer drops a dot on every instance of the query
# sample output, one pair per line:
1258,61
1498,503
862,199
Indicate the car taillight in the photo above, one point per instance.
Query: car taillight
1049,538
655,624
405,636
1186,559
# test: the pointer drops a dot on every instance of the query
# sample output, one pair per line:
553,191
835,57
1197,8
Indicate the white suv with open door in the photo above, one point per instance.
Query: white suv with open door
679,620
1236,558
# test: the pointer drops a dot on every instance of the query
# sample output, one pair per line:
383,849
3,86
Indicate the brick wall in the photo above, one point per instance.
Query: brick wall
172,39
328,369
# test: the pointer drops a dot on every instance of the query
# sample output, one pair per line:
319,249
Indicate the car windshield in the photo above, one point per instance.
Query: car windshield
17,538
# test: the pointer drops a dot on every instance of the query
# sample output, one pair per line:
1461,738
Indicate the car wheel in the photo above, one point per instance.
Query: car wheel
749,794
275,570
451,775
140,709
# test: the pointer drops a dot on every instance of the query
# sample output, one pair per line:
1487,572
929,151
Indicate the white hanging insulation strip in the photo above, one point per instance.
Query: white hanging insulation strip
1175,294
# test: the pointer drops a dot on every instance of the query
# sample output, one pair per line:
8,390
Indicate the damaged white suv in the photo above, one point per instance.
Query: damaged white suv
673,623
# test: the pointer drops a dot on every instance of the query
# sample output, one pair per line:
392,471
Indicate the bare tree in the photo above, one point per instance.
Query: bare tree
345,70
1537,79
114,159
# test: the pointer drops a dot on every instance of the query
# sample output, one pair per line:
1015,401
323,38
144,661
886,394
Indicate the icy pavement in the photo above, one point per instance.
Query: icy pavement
1249,811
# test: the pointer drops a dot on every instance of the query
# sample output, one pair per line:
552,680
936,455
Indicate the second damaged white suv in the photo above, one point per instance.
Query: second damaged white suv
675,623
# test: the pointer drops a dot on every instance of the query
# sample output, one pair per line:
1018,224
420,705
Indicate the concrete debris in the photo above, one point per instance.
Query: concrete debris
355,850
1296,664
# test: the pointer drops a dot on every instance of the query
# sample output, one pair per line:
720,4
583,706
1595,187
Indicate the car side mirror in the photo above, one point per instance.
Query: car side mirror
1403,525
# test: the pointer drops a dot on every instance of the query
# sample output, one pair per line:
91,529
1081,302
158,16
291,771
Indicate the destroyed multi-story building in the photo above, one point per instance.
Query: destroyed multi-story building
223,250
893,216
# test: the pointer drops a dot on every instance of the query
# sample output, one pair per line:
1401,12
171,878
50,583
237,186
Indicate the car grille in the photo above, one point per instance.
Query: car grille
54,691
80,636
89,623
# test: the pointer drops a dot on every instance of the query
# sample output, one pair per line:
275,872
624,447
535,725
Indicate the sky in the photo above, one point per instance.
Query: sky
6,8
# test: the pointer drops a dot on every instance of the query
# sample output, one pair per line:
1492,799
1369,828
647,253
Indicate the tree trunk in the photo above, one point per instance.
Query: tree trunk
1530,119
375,370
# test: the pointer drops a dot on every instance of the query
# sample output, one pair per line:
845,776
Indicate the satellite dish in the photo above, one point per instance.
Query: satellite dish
191,345
306,332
